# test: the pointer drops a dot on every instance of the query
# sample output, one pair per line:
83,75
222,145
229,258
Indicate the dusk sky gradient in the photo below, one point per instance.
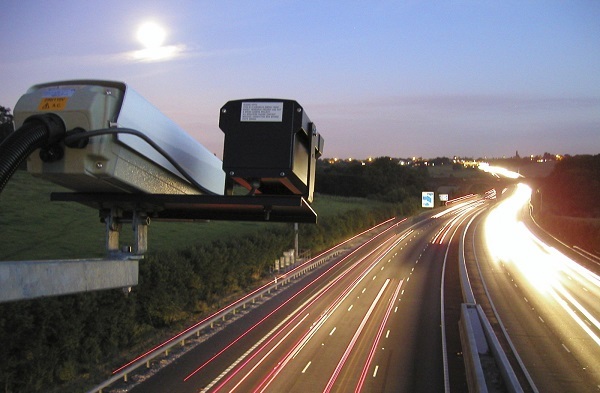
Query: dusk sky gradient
378,78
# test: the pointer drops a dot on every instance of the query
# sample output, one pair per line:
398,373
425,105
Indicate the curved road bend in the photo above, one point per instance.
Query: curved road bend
546,301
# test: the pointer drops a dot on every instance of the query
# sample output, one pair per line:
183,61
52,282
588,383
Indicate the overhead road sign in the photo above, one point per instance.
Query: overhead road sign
427,199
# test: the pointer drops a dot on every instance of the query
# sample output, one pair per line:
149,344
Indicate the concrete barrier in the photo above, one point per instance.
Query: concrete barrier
486,364
472,346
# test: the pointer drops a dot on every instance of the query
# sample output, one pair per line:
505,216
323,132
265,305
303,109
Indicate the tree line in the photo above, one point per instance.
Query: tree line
567,202
573,187
381,179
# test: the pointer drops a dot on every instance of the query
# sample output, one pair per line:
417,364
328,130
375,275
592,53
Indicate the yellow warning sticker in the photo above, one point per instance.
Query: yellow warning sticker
53,104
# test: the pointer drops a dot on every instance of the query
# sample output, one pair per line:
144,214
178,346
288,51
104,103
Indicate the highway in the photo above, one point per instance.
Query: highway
383,316
371,320
546,301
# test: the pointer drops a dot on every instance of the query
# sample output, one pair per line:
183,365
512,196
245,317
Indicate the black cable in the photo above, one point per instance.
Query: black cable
38,131
79,136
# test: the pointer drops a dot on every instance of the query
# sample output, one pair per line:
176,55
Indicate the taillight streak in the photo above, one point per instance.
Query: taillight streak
299,345
281,340
348,350
307,304
298,312
377,340
232,305
282,305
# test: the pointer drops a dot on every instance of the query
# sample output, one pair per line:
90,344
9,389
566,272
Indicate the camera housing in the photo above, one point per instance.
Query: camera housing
271,146
121,162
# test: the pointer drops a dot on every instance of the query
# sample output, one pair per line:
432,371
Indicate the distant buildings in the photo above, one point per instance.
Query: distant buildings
466,162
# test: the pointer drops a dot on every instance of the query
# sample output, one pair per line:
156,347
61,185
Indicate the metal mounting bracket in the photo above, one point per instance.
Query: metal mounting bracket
114,219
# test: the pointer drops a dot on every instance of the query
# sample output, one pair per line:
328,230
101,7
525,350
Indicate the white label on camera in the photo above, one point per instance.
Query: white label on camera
262,111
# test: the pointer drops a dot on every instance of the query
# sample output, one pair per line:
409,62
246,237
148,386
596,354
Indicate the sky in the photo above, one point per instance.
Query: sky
378,78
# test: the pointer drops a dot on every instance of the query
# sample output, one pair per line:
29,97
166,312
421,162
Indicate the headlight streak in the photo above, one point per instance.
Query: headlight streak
308,303
346,354
576,269
369,361
499,171
576,318
561,291
510,241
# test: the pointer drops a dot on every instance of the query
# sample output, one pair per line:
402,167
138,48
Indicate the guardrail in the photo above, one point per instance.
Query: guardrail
221,315
145,359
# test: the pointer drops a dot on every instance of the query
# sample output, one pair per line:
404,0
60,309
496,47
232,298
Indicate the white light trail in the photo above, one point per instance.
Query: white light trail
499,171
509,241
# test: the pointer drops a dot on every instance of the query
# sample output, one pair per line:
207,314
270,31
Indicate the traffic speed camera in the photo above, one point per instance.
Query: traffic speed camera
115,161
270,146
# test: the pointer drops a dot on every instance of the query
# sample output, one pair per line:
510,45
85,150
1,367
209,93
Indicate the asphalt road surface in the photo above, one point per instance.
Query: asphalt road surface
371,320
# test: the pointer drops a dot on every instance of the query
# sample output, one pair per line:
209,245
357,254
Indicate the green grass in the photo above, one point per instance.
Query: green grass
32,227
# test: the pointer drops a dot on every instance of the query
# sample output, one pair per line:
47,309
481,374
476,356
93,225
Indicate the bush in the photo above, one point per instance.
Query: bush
566,202
583,233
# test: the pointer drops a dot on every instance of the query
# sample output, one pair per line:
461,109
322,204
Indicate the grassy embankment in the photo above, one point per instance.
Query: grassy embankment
32,227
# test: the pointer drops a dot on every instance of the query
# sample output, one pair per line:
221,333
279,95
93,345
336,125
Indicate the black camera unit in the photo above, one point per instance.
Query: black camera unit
270,147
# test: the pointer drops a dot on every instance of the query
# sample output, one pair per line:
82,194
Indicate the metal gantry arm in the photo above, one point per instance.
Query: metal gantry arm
21,280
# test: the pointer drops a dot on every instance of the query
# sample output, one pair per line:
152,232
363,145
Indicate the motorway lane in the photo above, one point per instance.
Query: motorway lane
410,343
547,303
244,332
377,328
325,332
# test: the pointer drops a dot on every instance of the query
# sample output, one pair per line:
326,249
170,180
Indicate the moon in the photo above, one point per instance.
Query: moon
151,35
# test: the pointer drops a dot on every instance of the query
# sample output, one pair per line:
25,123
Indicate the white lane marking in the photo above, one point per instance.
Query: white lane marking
306,367
375,372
